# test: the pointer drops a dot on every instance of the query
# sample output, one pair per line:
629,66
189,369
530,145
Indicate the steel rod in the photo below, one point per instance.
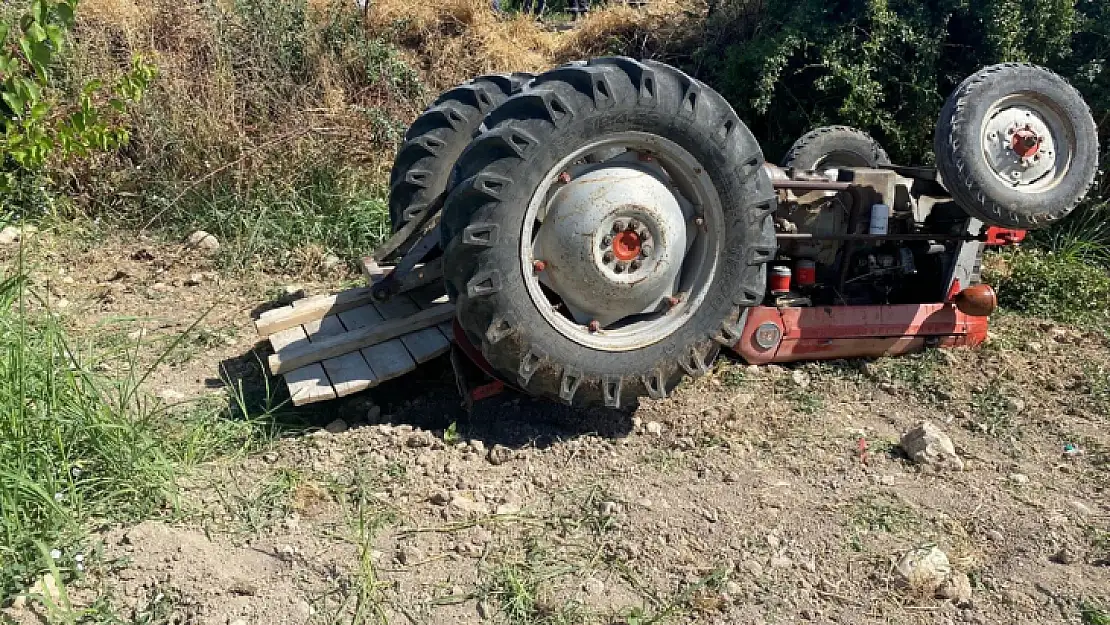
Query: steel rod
810,185
877,237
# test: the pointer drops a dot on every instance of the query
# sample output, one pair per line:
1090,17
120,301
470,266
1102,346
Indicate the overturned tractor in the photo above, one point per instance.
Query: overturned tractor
597,232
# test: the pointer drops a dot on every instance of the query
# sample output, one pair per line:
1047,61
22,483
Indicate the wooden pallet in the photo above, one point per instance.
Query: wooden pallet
333,346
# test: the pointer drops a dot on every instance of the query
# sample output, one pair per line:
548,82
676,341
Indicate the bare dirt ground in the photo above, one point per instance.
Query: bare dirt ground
753,495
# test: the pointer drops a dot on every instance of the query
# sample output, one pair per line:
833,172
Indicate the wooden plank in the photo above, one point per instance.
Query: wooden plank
389,359
307,384
372,270
305,310
309,309
348,373
288,359
425,344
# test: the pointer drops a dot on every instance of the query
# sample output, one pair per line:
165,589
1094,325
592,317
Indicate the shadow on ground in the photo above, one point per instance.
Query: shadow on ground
427,398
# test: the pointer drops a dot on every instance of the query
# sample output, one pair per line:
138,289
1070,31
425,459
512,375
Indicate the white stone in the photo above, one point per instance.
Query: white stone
203,241
924,568
927,444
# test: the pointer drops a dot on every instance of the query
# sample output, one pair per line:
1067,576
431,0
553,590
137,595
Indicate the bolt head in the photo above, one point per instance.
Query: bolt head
635,265
633,224
645,235
595,325
607,240
608,257
645,250
700,221
673,301
564,177
618,226
539,265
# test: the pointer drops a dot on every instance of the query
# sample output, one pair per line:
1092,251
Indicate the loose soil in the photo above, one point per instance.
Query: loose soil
752,495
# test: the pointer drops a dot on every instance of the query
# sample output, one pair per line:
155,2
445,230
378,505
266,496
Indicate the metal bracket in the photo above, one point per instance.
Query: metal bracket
393,283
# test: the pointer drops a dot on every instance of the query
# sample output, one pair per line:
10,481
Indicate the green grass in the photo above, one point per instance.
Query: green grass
1058,286
993,415
1094,613
77,448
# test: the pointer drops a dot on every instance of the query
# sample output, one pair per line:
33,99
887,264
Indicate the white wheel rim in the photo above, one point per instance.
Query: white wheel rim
678,208
1027,142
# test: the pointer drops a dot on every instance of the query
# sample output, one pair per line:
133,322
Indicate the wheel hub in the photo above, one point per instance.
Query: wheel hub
1020,144
613,240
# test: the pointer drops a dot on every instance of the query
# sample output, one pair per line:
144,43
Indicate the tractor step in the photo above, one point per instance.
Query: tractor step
335,345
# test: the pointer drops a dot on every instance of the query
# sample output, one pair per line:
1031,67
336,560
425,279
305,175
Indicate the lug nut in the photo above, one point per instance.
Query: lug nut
606,241
564,177
618,226
538,265
645,250
608,257
645,235
595,325
699,221
633,224
673,301
619,268
635,265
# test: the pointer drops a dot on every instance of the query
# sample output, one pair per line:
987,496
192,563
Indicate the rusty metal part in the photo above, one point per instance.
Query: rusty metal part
810,185
977,301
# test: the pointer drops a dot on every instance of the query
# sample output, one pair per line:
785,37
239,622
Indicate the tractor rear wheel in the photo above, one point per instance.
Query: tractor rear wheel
832,147
607,231
433,142
1016,146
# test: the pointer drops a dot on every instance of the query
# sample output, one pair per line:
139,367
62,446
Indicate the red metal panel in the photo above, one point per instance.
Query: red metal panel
829,332
1004,236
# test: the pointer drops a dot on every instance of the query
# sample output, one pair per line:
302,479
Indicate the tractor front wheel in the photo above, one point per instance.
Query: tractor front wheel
608,229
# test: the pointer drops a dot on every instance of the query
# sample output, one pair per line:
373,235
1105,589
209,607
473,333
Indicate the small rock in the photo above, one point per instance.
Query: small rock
194,279
995,536
9,235
508,508
1015,404
468,505
1066,555
781,562
608,508
710,515
499,454
1080,508
654,427
927,444
440,498
168,394
752,567
731,478
956,589
236,621
304,609
331,261
270,457
773,541
419,439
1019,478
1034,347
201,240
478,446
338,426
285,552
733,589
924,568
800,378
593,586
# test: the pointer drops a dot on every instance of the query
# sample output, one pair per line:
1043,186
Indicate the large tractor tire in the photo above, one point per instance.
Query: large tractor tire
1016,146
833,147
422,168
607,232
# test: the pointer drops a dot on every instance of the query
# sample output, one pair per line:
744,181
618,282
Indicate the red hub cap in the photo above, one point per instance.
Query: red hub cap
626,245
1025,143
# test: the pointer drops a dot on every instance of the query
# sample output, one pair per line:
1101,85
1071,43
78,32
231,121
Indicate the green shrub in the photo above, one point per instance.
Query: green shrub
1058,287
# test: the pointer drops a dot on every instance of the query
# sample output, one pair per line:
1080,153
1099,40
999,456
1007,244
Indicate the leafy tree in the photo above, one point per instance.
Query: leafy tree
38,126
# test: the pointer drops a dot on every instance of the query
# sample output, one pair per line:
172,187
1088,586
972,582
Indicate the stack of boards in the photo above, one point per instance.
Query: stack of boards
335,345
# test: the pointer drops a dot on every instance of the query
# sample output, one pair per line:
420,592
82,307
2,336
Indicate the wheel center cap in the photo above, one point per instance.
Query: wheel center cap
1026,143
612,240
626,245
